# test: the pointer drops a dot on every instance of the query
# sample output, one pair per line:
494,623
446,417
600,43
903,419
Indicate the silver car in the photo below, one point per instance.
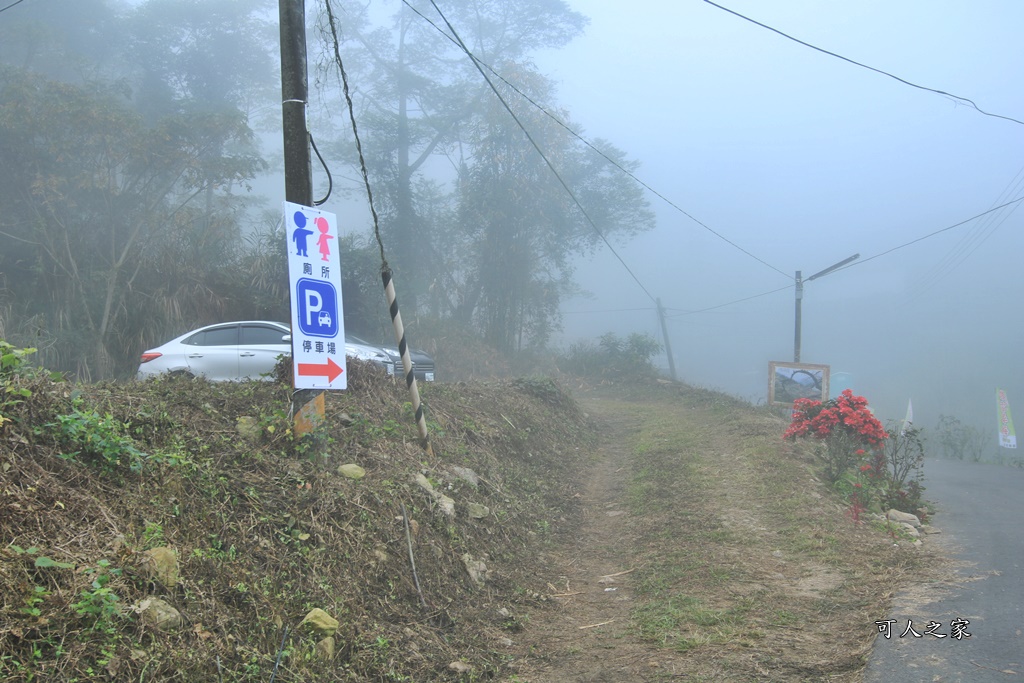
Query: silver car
233,351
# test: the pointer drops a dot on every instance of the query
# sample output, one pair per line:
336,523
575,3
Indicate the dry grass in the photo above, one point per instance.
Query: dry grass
746,566
265,529
733,561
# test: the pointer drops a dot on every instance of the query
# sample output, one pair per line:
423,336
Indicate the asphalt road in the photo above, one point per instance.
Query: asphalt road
981,515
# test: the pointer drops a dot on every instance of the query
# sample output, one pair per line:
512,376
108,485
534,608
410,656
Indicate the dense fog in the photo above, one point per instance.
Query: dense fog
143,180
803,159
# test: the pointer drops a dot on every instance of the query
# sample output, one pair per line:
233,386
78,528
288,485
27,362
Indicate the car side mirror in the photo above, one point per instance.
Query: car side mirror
287,338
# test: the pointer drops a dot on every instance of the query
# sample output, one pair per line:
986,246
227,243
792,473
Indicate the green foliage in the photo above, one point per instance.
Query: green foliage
12,362
960,441
873,468
121,179
12,359
613,357
904,461
98,603
152,536
97,440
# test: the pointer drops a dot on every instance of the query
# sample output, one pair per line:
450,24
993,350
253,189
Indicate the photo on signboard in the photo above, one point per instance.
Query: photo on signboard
790,381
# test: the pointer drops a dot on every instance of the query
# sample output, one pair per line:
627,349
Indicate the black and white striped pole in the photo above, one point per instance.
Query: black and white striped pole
403,349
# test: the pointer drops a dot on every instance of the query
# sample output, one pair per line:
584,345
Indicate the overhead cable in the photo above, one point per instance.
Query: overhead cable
533,142
970,242
729,303
864,66
933,234
16,2
586,142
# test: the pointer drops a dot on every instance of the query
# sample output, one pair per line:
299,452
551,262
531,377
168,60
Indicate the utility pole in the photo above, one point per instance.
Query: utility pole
298,173
668,344
307,404
800,296
797,316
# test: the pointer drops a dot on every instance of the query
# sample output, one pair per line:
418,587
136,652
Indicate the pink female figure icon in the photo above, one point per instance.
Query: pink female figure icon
324,240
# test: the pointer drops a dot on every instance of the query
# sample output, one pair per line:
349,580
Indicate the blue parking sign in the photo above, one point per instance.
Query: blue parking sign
317,307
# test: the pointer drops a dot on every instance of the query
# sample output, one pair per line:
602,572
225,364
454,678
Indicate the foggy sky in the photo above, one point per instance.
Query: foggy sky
802,160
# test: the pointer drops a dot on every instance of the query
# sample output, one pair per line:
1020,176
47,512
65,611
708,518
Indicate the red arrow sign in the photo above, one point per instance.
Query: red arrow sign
330,369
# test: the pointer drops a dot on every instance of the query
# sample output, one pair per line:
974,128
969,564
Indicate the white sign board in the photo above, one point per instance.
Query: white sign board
314,275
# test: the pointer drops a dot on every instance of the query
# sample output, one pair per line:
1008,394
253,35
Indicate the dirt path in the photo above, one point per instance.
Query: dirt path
587,639
707,550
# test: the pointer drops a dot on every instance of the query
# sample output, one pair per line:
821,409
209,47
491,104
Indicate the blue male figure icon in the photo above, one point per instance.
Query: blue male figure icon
300,234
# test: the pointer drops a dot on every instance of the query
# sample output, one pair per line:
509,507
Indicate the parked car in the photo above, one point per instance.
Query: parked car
422,362
233,351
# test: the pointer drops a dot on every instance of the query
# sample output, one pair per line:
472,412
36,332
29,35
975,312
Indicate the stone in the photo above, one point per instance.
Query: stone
446,504
467,475
159,614
477,570
905,517
320,622
161,565
477,511
324,649
248,428
352,471
908,529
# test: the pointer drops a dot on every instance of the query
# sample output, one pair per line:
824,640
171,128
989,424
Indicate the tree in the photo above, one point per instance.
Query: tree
122,217
76,42
489,233
416,90
95,200
525,225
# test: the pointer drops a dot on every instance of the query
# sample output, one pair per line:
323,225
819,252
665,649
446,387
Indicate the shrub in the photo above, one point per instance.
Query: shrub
613,357
904,459
12,364
97,440
846,426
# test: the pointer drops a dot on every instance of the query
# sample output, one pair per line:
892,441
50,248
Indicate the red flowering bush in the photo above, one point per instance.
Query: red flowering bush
847,413
844,424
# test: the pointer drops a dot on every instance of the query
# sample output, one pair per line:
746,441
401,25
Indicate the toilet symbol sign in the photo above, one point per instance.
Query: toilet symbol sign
318,321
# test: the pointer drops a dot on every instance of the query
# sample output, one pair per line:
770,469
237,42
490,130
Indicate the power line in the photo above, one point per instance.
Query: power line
933,234
586,142
730,303
16,2
610,310
638,180
970,242
536,146
864,66
1013,203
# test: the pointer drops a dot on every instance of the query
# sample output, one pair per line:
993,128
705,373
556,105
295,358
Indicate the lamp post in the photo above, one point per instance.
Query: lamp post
800,295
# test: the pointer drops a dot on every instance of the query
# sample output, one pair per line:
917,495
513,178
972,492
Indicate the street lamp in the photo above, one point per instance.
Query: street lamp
800,296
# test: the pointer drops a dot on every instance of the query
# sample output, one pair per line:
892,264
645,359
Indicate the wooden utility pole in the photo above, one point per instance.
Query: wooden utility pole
298,174
307,404
796,332
800,297
668,344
